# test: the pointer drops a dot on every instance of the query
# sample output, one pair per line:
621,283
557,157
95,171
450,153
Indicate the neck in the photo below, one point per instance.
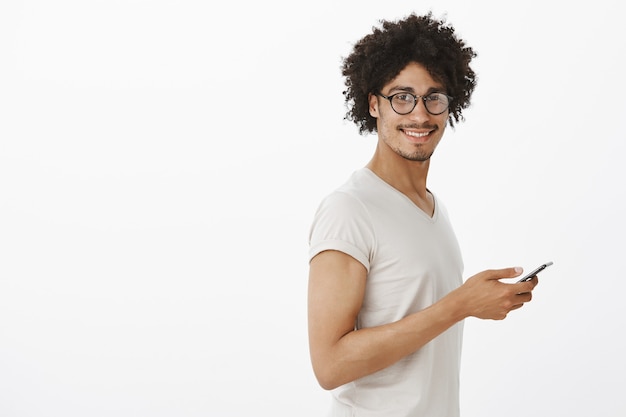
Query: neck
408,177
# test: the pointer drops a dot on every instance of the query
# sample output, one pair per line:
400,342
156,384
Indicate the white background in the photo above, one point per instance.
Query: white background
160,163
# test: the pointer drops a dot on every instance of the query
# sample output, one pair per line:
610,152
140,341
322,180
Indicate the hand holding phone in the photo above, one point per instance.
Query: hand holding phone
535,271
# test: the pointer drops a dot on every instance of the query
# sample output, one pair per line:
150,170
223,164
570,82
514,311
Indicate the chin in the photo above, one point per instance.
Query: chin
416,156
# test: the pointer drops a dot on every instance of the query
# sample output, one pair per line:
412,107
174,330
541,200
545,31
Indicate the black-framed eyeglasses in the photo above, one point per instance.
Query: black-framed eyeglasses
404,102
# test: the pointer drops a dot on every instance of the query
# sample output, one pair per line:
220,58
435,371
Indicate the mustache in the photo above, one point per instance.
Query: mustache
425,126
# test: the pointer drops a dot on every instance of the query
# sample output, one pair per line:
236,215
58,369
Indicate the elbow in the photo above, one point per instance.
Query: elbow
328,385
327,378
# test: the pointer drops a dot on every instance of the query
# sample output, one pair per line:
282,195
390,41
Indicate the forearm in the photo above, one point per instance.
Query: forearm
362,352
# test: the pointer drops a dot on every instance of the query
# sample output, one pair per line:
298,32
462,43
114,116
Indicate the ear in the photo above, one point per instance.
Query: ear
373,101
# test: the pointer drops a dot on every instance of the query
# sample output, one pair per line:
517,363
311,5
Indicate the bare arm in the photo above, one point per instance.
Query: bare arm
340,354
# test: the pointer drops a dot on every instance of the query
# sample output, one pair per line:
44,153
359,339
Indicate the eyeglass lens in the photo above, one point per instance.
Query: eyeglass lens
436,103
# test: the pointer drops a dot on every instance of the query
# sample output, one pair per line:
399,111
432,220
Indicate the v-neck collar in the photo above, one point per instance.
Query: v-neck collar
432,218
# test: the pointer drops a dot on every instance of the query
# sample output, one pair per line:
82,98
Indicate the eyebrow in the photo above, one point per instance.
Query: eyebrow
412,90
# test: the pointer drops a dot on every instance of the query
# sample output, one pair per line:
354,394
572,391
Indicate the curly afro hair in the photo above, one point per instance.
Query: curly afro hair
380,56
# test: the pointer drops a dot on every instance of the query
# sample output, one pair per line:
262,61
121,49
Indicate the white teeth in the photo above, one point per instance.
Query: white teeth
416,134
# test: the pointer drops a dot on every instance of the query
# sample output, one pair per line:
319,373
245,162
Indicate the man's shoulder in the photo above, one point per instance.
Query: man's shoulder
361,183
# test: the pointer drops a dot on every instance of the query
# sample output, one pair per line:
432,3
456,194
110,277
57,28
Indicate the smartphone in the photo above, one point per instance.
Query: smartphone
535,272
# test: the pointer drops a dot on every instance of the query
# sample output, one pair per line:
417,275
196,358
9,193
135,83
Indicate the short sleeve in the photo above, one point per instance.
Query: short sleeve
342,223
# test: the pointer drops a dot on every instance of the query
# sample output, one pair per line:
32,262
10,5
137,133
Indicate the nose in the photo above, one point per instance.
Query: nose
419,113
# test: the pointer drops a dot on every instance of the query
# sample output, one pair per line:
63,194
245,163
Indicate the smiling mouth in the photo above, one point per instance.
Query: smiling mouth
416,134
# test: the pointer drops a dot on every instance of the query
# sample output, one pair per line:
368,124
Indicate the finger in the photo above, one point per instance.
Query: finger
524,297
527,286
505,273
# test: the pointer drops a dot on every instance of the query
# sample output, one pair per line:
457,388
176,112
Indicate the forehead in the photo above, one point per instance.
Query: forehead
415,78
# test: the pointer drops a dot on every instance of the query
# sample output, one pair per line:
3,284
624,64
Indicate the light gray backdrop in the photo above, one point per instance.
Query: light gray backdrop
160,162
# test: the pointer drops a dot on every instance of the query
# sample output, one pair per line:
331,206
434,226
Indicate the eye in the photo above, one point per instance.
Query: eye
437,97
404,98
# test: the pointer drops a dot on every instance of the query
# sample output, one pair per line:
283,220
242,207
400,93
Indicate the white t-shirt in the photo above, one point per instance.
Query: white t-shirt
413,260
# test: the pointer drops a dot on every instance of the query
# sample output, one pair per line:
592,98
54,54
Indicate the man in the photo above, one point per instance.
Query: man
386,295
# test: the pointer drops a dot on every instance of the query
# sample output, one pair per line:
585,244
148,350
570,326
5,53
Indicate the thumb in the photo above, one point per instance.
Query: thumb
505,273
